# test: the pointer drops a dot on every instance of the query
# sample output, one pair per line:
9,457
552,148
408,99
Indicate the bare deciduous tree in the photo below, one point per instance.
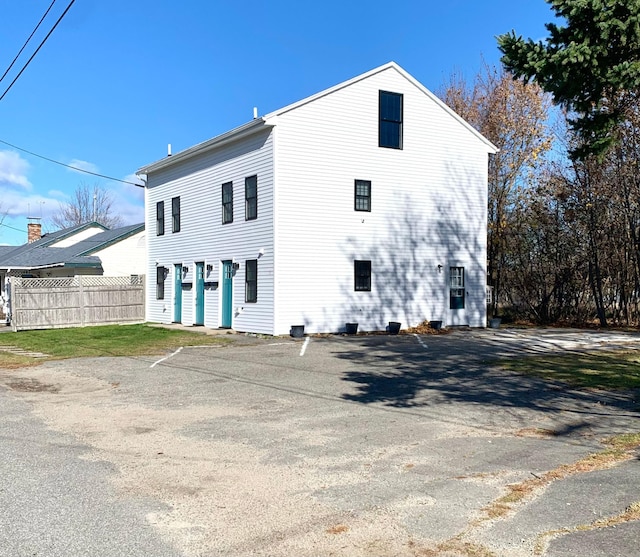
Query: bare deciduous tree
90,203
513,115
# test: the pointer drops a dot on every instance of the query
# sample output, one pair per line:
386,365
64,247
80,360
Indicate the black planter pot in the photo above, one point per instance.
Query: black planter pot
394,327
437,325
351,328
297,331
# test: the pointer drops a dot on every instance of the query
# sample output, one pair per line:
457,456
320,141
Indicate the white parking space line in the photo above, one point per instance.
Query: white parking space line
422,342
154,364
304,346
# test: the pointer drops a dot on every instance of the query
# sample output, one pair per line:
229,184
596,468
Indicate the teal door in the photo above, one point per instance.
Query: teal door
199,294
177,293
227,293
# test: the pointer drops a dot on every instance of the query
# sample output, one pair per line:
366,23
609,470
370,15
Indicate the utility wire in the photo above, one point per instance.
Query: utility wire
70,166
20,73
37,49
11,227
27,41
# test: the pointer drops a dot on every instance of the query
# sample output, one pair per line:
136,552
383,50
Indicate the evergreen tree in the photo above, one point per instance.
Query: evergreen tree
590,64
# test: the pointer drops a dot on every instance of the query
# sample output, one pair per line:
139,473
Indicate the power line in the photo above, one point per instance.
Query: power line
27,41
11,227
20,73
37,49
70,166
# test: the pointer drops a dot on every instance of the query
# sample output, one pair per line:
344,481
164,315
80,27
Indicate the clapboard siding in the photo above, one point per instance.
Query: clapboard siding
126,257
429,203
203,237
428,209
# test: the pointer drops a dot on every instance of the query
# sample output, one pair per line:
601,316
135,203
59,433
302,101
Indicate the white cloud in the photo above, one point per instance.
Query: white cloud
128,202
58,194
13,170
83,165
19,205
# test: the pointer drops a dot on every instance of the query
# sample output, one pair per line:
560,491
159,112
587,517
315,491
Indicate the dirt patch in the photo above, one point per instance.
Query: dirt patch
221,493
32,386
455,547
537,432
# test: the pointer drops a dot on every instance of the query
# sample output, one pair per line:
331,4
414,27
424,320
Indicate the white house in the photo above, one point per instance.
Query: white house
87,249
363,203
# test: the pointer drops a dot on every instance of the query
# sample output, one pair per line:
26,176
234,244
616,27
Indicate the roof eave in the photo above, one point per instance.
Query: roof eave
233,135
97,265
88,264
9,268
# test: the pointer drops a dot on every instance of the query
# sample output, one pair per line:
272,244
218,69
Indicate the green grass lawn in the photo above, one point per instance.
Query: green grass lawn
107,340
598,370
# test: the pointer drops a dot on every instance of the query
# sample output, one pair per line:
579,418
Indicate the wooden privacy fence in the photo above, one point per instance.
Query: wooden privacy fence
49,303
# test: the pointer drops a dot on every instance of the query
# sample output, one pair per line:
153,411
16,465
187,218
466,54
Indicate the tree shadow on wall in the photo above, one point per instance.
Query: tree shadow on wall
396,371
411,260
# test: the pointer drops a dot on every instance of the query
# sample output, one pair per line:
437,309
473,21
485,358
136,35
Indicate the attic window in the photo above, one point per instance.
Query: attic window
390,120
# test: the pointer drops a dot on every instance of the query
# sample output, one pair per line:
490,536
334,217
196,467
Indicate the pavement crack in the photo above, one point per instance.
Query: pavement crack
630,514
620,449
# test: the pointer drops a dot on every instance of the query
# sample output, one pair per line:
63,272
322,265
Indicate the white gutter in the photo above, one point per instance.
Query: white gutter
232,135
31,267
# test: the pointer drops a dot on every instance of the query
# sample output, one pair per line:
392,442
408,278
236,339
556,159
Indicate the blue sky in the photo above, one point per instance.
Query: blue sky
119,80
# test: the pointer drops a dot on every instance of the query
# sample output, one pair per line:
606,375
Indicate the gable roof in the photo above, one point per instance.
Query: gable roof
6,249
269,120
59,235
107,238
39,254
389,65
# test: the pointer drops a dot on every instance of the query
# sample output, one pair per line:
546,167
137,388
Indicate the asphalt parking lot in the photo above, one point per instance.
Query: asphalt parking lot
345,446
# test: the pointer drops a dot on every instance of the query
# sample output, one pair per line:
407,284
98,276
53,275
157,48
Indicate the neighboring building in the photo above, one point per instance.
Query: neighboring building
364,203
88,249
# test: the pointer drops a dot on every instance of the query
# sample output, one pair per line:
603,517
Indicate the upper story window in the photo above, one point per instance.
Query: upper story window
362,276
227,202
159,218
251,197
251,281
362,195
390,113
175,214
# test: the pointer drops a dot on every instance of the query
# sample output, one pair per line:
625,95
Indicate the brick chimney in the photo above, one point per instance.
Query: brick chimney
34,230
